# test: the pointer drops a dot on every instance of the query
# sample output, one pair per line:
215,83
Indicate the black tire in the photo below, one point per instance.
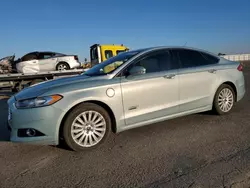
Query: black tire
66,131
216,107
66,65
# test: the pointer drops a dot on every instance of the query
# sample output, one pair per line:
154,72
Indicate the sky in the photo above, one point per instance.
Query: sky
72,26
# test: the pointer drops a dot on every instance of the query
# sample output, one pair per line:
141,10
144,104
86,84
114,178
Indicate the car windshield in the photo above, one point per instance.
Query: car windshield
111,64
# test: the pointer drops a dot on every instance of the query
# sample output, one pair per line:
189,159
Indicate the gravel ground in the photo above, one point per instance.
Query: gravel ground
200,150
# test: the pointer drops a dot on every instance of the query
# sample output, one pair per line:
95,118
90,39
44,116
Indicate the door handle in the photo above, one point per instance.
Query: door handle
169,76
212,71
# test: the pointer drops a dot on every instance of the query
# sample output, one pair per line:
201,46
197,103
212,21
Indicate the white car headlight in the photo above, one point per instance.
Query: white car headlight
38,102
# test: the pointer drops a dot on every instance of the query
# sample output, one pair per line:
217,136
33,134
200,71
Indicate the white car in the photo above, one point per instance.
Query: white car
46,61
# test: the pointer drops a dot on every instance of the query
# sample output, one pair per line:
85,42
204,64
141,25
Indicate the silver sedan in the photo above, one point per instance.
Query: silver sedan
133,89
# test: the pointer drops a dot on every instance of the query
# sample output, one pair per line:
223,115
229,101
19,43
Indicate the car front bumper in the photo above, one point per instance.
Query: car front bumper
44,120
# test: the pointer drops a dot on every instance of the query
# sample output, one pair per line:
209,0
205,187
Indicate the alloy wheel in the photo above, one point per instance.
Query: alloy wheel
88,128
62,67
225,100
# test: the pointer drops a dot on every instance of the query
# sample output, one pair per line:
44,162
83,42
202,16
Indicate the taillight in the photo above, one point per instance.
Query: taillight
240,67
76,57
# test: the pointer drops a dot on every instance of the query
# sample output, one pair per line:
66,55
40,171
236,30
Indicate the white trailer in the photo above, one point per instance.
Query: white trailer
18,81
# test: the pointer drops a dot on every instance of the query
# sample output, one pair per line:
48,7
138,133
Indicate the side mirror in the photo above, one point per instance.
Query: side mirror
137,70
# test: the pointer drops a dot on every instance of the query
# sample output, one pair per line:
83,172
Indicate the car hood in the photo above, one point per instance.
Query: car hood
40,88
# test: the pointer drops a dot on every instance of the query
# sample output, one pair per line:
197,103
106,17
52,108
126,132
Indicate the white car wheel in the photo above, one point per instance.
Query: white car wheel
88,128
224,99
62,66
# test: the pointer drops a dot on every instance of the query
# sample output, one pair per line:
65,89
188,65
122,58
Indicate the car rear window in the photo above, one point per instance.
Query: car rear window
193,58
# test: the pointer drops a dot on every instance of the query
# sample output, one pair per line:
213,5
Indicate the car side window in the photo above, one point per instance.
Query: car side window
44,55
156,62
210,59
192,58
58,55
28,57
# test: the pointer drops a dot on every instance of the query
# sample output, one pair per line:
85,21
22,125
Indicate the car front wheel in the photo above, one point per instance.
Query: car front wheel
86,127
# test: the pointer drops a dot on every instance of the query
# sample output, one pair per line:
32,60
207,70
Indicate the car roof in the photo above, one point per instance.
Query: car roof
50,52
175,47
35,52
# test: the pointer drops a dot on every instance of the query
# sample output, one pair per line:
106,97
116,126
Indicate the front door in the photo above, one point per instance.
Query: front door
29,63
154,94
196,79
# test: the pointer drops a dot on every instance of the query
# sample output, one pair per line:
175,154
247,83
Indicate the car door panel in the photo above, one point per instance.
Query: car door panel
195,88
47,62
28,63
150,96
196,80
30,66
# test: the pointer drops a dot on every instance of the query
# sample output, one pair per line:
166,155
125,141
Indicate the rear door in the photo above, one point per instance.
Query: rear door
152,95
47,61
197,76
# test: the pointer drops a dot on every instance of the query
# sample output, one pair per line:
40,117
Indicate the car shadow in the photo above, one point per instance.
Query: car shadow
210,113
4,132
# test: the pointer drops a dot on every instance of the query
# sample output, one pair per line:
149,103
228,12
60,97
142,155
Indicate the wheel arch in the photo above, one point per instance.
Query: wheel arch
62,62
230,84
102,104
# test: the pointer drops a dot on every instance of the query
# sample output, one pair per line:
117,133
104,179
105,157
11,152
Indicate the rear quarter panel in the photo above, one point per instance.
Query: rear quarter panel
70,60
227,72
64,59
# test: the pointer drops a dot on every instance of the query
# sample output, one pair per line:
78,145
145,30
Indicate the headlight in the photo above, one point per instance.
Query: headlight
38,102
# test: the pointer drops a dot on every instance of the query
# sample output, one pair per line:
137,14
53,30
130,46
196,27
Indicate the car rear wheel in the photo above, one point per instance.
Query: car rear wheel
86,127
62,66
224,99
